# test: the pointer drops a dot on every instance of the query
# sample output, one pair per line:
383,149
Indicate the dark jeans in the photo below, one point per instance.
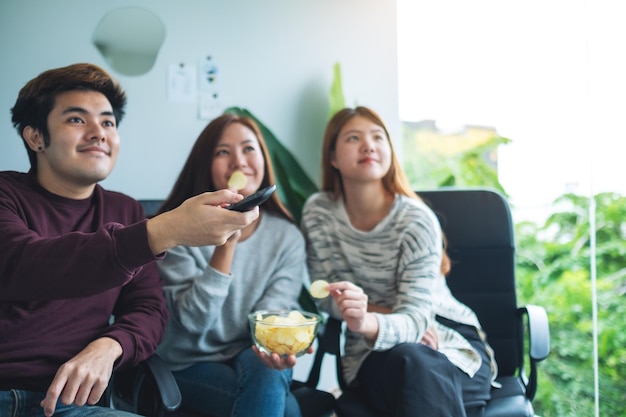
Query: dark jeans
20,403
413,380
243,386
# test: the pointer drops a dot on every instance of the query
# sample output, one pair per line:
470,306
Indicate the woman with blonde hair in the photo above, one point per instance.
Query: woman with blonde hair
411,348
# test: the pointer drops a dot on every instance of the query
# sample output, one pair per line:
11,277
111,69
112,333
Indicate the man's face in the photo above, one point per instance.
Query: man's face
84,144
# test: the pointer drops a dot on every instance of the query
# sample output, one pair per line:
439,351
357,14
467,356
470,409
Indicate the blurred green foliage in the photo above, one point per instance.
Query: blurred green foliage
553,270
435,165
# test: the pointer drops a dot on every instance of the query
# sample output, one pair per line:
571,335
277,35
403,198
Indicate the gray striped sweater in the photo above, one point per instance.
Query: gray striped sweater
398,266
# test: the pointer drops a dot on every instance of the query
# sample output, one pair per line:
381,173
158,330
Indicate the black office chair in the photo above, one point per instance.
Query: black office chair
148,389
479,229
481,242
150,207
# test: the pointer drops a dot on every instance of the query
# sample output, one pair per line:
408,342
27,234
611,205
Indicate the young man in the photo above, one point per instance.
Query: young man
73,255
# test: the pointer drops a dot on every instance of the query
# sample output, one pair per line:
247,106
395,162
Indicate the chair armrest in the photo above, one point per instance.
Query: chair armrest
539,331
538,342
329,342
167,389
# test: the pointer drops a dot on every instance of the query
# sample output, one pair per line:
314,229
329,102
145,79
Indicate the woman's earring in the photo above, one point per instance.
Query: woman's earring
40,148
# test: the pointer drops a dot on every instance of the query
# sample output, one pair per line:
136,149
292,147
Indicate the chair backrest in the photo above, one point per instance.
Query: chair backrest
150,207
479,229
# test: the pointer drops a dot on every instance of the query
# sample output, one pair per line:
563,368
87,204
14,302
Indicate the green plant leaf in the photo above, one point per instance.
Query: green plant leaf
336,98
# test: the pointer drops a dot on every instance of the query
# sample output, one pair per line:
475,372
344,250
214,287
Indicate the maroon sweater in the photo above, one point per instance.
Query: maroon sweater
66,267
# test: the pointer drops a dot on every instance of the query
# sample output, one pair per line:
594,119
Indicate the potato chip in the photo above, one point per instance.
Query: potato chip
237,180
296,317
319,289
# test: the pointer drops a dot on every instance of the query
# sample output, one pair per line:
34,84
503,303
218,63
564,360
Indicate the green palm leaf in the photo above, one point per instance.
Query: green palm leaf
336,98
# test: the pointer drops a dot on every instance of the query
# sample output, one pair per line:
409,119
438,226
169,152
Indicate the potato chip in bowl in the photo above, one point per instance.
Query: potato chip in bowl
285,332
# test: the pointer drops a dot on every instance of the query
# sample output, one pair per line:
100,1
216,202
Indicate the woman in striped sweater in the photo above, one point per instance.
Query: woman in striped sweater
411,348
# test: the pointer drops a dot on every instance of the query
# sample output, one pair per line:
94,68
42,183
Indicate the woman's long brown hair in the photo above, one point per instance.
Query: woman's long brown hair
195,177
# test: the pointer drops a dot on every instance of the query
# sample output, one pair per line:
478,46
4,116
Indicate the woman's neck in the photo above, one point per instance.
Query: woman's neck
367,204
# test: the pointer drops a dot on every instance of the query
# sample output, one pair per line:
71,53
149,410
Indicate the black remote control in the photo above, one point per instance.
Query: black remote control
253,200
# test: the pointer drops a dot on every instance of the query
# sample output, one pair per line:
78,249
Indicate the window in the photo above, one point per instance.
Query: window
550,77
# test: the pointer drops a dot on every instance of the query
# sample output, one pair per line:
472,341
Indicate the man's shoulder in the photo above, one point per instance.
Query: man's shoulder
13,177
17,185
11,173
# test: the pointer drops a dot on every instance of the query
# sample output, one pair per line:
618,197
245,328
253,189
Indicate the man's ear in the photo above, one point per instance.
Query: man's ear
33,138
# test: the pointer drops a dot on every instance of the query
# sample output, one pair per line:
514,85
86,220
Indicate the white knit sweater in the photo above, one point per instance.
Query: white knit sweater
398,266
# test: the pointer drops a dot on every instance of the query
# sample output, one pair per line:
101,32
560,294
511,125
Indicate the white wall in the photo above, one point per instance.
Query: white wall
275,59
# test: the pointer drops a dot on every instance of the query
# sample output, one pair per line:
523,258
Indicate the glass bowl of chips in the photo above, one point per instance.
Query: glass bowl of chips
285,332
